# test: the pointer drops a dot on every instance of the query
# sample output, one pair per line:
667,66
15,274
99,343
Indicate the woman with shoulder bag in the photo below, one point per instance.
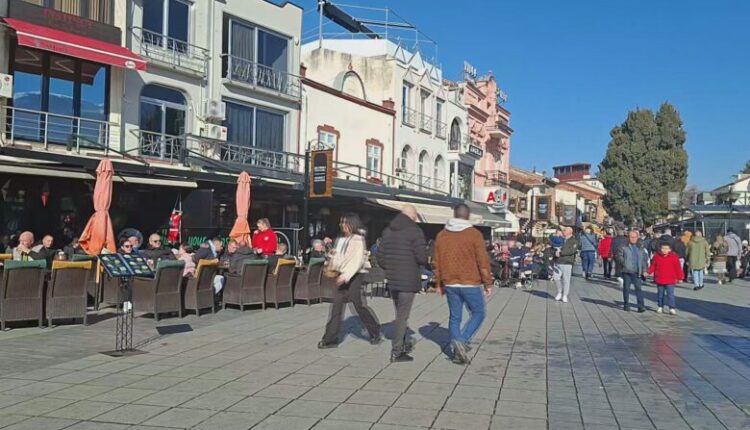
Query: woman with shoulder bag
347,263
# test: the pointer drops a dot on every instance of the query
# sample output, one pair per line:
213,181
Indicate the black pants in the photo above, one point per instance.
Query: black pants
351,292
634,280
732,267
402,303
607,267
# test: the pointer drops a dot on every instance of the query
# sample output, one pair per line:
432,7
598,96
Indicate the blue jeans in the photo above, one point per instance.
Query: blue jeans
661,290
698,277
587,261
633,279
473,298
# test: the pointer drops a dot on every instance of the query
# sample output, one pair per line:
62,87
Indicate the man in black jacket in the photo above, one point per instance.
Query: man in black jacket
402,251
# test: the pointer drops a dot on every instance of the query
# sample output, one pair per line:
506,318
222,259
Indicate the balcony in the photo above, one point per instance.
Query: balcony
425,123
440,128
464,146
496,178
258,75
170,52
409,117
160,146
72,132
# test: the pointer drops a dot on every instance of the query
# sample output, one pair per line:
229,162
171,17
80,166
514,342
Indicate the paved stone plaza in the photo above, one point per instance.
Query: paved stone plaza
538,364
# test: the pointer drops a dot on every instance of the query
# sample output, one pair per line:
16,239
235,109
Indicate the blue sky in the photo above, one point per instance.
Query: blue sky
573,69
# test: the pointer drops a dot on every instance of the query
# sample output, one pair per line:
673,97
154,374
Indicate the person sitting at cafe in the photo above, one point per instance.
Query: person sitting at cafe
281,253
23,251
45,251
264,238
156,251
73,248
209,250
136,242
185,254
125,247
232,260
318,250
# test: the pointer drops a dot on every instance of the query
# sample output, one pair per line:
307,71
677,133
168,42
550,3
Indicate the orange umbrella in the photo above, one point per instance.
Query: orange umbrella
241,230
98,233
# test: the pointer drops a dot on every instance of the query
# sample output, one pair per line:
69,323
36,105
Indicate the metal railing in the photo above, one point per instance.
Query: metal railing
256,74
459,145
496,177
50,128
409,117
173,52
425,123
161,146
440,128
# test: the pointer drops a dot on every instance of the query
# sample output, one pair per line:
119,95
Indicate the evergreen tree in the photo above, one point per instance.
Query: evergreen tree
746,169
645,160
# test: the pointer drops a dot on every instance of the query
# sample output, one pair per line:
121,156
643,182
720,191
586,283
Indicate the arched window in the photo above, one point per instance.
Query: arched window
352,85
403,164
454,143
162,121
423,170
438,173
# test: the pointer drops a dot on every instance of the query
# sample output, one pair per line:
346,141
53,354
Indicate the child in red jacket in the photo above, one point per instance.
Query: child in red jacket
667,272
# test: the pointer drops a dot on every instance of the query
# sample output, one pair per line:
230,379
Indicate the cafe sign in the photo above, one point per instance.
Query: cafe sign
321,174
475,151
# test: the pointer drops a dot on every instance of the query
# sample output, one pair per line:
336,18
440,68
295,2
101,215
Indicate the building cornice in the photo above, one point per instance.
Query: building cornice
348,97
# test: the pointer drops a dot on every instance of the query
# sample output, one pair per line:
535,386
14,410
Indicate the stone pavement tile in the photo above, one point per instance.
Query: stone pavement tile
7,400
329,394
420,401
282,391
430,388
308,408
196,385
230,421
116,380
156,383
364,372
461,421
166,398
224,374
8,384
610,427
525,384
89,425
130,414
36,406
476,392
409,417
123,395
506,423
214,400
480,380
148,369
8,419
112,367
259,405
185,372
39,374
37,389
523,396
354,412
179,417
303,380
440,377
365,397
82,410
565,425
244,388
468,405
41,423
80,392
521,410
381,426
329,424
345,382
392,385
319,369
76,364
279,422
77,377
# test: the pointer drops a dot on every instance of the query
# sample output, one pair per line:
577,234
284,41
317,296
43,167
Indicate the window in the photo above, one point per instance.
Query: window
439,111
256,55
97,10
403,164
166,23
73,92
162,121
327,140
405,97
455,140
374,157
252,126
423,169
439,170
425,103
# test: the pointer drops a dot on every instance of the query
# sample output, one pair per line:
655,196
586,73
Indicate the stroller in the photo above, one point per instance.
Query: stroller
522,272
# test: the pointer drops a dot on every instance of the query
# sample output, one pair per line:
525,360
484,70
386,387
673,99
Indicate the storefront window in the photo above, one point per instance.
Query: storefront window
248,125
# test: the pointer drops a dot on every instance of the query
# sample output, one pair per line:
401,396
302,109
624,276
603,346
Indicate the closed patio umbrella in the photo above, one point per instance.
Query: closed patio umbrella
241,229
98,233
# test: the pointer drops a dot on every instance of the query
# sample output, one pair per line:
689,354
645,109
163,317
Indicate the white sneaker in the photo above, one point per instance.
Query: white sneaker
659,310
672,312
558,296
565,299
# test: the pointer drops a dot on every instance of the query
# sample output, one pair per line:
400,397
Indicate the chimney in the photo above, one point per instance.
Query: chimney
389,104
302,70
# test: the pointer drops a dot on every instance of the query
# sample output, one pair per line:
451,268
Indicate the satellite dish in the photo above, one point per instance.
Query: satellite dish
128,232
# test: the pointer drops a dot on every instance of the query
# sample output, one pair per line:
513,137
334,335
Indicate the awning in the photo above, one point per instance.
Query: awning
155,181
490,219
40,171
427,214
49,39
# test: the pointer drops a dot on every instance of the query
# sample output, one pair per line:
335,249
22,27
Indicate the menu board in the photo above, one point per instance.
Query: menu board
125,265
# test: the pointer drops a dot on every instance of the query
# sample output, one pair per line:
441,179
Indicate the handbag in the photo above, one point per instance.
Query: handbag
331,270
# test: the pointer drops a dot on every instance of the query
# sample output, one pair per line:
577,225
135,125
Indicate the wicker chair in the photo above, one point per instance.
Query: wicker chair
199,290
279,283
22,292
307,287
327,288
67,294
93,286
376,280
247,288
5,257
110,291
162,294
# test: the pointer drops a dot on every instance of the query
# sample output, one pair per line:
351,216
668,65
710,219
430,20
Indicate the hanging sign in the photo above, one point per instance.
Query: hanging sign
321,174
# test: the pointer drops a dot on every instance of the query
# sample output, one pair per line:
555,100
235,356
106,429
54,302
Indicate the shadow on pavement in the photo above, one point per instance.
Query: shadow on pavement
600,302
438,334
542,294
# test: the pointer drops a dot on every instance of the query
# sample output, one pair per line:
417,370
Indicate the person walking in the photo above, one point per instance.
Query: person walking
604,249
349,260
734,252
401,253
619,241
678,247
462,272
685,238
667,270
634,263
566,258
719,250
698,257
588,243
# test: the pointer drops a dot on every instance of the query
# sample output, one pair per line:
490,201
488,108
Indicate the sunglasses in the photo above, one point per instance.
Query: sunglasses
127,246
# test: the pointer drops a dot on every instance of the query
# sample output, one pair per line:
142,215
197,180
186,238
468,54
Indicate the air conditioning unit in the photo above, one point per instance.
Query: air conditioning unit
214,110
216,132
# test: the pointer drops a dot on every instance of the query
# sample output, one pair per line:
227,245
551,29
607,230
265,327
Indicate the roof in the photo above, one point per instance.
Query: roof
587,165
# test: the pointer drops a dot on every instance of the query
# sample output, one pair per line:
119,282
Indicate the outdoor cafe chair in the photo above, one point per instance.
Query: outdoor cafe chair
307,287
199,290
247,288
162,293
376,281
67,294
22,291
279,283
93,285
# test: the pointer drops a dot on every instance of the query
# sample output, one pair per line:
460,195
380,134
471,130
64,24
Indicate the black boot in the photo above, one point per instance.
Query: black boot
401,358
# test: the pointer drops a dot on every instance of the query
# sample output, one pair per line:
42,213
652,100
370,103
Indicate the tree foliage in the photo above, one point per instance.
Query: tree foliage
746,169
645,160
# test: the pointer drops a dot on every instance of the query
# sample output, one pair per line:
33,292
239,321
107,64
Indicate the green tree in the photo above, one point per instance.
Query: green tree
746,169
645,160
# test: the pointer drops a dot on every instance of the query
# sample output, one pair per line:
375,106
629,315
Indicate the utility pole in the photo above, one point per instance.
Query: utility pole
306,200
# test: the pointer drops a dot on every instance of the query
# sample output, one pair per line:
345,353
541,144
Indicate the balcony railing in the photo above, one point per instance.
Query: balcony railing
160,146
48,128
425,123
259,75
172,52
440,128
496,177
409,117
459,143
